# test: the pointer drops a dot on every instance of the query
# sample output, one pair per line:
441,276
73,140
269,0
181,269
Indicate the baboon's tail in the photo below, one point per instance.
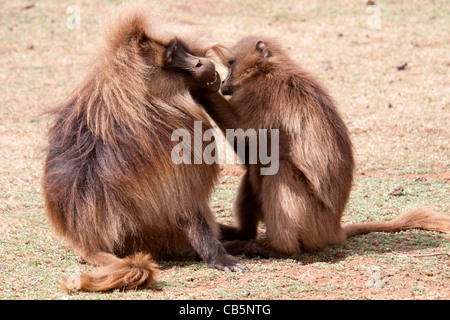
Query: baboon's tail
418,218
137,271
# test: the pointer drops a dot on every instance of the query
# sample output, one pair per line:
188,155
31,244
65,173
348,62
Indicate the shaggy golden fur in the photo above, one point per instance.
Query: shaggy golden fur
302,204
110,186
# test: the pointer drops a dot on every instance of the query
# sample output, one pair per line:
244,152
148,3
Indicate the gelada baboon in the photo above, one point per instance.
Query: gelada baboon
110,186
302,204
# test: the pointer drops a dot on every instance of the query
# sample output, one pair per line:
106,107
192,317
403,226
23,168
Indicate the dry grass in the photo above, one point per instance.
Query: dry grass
398,119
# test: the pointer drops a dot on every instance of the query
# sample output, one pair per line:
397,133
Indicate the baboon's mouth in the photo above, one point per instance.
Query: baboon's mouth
213,80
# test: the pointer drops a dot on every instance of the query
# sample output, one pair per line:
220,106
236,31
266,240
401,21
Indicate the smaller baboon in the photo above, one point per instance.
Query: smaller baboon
302,204
110,185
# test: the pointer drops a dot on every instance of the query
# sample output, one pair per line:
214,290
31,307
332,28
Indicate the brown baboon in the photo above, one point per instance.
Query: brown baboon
302,204
110,186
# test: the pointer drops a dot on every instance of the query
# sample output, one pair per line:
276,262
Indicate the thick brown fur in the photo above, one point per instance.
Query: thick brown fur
302,204
110,186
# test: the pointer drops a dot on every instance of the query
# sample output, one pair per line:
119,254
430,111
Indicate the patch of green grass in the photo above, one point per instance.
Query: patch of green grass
370,199
223,198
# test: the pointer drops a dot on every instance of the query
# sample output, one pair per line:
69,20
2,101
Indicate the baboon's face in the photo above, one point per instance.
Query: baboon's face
201,70
242,61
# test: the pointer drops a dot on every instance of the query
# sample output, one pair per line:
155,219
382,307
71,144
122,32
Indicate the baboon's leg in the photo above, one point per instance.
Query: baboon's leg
207,246
248,214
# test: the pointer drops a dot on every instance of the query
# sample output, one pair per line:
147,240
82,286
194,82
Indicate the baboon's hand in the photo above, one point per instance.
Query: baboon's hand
228,263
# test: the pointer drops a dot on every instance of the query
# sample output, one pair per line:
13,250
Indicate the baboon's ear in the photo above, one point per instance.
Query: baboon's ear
263,50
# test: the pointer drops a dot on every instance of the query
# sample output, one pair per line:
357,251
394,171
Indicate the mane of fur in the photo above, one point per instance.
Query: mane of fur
115,91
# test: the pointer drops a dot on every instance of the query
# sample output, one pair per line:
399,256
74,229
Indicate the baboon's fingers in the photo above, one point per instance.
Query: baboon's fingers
236,268
228,263
240,267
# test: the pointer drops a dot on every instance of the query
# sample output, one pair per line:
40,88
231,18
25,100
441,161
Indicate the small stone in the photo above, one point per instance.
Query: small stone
401,65
327,66
396,191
